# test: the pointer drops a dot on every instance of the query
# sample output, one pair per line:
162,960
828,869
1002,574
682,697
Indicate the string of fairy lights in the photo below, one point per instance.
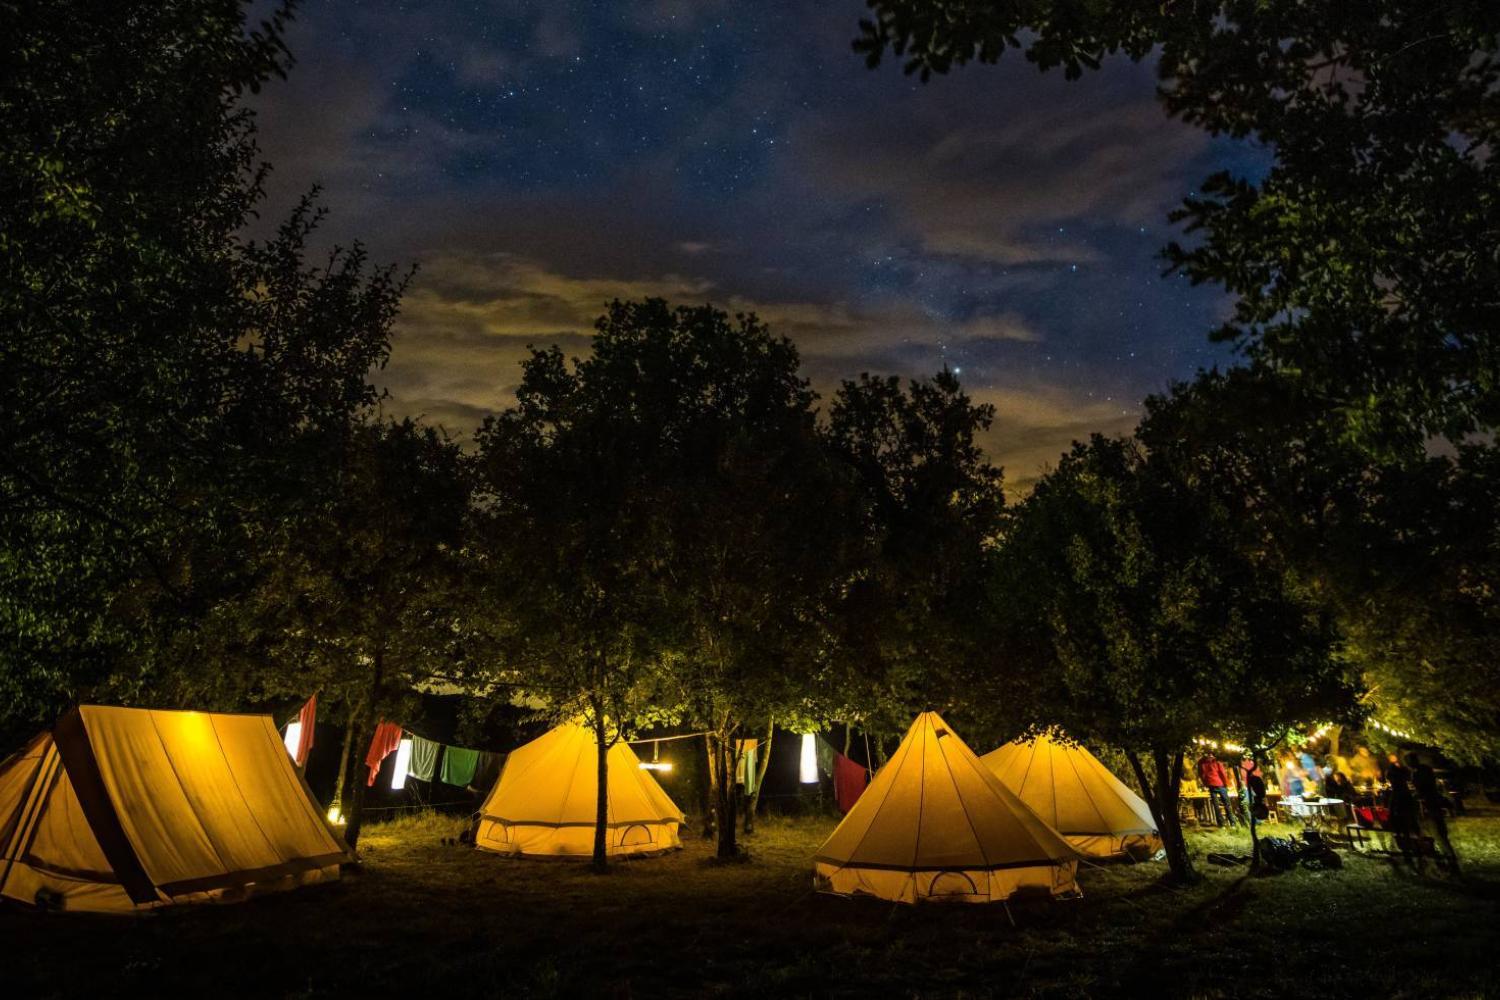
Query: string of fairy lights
1317,734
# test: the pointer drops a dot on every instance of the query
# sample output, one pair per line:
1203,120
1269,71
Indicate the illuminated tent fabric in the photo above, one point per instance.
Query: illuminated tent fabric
546,800
937,825
120,809
1069,788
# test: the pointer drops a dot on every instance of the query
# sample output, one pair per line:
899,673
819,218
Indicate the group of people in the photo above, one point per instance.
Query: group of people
1405,789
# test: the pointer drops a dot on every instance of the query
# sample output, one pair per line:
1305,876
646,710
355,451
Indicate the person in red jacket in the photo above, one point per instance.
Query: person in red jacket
1216,779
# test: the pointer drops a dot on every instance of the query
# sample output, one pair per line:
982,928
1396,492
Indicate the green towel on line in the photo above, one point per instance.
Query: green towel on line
424,755
459,765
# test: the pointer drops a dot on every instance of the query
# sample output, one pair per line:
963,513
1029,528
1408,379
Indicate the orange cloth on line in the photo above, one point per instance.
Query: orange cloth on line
849,781
387,739
308,717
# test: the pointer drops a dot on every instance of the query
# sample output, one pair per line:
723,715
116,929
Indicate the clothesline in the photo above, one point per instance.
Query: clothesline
666,739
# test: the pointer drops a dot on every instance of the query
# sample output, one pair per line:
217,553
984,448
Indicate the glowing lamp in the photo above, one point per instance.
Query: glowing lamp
656,765
334,816
808,767
403,765
293,737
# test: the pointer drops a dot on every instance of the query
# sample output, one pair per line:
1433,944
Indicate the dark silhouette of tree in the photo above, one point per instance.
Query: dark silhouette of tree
1405,552
1137,618
907,627
168,388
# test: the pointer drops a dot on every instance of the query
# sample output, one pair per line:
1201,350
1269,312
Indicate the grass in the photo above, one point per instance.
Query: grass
431,921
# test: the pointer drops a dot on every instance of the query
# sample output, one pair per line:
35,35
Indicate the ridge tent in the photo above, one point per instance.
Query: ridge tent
124,809
936,824
1081,798
546,801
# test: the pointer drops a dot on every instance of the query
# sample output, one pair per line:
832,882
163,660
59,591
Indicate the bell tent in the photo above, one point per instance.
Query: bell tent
1069,788
546,801
936,824
124,809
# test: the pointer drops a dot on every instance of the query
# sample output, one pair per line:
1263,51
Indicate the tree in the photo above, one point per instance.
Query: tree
569,536
157,370
905,627
1404,552
716,471
363,597
1140,620
1362,261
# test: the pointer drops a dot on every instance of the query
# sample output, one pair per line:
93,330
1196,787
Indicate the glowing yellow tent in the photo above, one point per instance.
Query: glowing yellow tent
1077,795
935,824
544,804
121,809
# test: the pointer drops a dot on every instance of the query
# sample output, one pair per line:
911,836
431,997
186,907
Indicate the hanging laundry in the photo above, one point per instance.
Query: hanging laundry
849,781
487,770
826,754
424,756
307,720
747,773
387,738
459,765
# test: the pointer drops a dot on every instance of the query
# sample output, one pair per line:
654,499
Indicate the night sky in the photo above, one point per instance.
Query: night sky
537,160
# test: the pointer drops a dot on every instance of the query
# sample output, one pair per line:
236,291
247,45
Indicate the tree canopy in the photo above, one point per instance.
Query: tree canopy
1361,263
161,373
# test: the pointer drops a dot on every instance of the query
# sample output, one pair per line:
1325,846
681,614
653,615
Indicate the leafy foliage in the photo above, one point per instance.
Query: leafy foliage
162,378
1143,621
1362,263
913,610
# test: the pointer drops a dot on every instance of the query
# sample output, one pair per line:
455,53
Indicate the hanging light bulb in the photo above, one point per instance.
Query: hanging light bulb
403,765
656,763
293,737
808,769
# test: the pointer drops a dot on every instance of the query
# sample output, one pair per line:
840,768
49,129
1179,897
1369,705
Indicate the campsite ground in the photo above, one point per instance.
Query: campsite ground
421,919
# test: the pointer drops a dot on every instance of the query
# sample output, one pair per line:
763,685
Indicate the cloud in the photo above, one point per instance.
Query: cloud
468,320
1007,187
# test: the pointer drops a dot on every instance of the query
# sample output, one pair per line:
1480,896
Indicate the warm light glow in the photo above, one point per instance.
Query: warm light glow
334,816
656,765
808,771
293,737
403,765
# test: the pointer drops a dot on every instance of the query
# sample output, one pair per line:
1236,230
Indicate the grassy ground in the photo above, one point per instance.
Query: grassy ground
429,921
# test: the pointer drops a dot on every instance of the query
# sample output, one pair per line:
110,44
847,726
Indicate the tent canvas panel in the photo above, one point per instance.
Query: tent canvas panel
546,801
948,885
1073,791
127,808
936,823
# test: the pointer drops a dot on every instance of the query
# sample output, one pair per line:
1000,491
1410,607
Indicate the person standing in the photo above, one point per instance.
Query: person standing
1211,772
1404,824
1424,780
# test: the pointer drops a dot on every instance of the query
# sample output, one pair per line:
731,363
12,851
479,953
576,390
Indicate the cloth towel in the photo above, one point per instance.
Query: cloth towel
424,757
459,765
308,717
849,781
487,770
387,738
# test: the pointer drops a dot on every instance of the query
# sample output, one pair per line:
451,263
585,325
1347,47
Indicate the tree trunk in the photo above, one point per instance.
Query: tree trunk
355,819
339,786
706,788
721,745
1249,799
878,750
601,810
762,766
848,737
1161,794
